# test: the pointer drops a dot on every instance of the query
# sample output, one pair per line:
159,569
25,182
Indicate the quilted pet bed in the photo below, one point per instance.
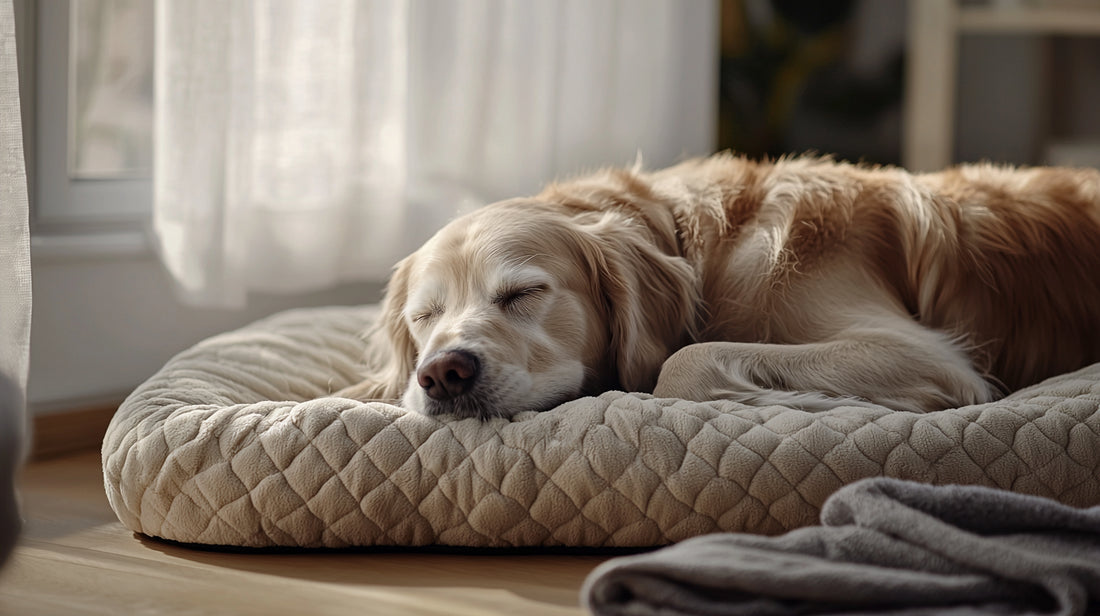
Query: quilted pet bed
237,442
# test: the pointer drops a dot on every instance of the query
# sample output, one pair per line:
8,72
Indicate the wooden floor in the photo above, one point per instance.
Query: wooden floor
76,558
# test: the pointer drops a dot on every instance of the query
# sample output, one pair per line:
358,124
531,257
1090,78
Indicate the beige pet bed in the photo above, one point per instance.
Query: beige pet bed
235,442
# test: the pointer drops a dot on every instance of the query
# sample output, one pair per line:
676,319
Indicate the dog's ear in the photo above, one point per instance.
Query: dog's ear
391,351
650,297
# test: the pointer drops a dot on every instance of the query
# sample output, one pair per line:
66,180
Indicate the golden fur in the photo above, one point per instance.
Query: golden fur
800,281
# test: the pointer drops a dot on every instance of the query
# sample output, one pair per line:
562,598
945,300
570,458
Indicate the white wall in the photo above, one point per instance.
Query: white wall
103,325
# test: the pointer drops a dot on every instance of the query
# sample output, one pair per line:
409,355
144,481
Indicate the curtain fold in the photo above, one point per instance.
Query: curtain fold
299,145
15,282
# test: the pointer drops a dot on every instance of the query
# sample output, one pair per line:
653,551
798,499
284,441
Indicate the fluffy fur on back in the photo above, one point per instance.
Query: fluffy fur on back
801,281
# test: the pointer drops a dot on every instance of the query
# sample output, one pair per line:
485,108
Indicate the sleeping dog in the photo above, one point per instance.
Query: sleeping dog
801,282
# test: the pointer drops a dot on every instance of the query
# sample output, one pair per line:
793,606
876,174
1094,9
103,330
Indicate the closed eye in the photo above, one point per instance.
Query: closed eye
424,316
510,297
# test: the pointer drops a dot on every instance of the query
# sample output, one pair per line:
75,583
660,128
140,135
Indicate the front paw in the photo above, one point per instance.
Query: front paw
704,371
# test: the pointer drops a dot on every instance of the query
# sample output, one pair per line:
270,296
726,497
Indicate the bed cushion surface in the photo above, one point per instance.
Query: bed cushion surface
237,441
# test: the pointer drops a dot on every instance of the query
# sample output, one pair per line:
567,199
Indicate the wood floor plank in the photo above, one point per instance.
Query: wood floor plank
76,558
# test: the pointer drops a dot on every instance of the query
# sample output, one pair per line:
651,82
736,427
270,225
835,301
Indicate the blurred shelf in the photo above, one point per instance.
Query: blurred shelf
935,27
1029,20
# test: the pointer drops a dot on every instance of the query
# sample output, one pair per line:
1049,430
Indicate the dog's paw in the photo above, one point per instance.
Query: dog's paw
817,378
936,389
715,371
699,372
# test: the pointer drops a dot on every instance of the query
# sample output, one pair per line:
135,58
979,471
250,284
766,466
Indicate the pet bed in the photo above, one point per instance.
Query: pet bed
238,442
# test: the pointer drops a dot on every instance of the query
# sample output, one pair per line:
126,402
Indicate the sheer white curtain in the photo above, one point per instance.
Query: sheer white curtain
300,144
15,281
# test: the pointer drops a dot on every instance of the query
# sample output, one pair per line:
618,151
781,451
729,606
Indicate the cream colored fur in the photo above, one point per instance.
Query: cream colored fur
800,282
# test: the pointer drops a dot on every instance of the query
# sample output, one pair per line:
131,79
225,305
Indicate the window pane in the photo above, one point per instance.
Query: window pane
111,101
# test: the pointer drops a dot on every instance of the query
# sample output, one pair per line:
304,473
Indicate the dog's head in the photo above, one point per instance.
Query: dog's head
525,304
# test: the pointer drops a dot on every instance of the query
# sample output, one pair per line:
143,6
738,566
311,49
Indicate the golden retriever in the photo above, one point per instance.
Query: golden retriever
802,282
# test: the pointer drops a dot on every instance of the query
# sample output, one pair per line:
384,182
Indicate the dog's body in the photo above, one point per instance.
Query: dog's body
802,282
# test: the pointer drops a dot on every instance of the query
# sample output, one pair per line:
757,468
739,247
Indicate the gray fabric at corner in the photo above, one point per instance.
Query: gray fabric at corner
885,547
15,281
11,427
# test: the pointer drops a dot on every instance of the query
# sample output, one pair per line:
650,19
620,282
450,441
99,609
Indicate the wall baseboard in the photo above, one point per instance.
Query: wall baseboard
57,434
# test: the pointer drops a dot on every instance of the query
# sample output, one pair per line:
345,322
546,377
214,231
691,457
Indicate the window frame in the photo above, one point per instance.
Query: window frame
71,218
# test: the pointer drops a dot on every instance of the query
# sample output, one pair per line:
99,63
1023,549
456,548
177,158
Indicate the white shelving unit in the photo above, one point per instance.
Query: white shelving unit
934,30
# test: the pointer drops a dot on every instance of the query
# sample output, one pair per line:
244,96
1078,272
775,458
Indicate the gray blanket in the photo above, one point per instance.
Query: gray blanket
884,547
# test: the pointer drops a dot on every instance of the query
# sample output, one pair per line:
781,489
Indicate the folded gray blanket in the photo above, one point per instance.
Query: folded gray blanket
884,547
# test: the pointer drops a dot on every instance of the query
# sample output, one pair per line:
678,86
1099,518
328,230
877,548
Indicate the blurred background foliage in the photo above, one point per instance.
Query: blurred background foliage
787,83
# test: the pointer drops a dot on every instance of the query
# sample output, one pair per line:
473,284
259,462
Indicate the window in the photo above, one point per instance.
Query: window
90,171
111,92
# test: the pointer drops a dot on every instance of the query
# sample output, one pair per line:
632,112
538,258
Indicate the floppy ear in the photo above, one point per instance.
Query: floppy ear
391,352
650,296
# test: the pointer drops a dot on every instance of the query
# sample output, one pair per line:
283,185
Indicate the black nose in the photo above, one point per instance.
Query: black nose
448,374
